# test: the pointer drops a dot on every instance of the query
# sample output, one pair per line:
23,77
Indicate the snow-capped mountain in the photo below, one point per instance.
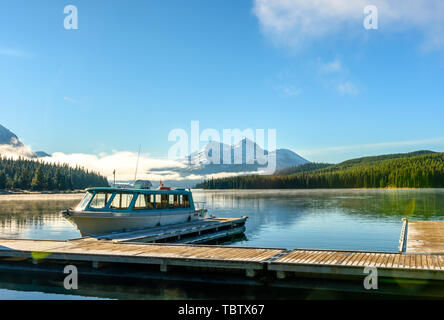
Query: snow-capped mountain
245,156
9,138
12,143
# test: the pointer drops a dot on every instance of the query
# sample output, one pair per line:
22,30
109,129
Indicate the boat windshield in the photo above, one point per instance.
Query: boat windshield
82,205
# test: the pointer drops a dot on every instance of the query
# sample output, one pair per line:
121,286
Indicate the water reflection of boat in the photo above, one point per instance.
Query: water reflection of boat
104,210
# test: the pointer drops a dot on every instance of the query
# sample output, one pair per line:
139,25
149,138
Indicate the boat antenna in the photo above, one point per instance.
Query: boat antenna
137,165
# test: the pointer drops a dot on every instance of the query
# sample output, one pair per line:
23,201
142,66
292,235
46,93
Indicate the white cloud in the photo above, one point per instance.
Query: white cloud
347,88
14,152
335,76
330,67
296,22
124,162
10,52
70,99
290,90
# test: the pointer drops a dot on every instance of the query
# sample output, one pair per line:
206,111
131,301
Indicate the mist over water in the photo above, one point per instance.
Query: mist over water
325,219
37,216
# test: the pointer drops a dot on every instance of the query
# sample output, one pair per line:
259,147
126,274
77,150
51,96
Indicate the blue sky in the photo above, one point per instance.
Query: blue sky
135,70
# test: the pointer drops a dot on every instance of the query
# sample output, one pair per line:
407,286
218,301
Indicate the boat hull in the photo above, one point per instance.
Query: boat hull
98,223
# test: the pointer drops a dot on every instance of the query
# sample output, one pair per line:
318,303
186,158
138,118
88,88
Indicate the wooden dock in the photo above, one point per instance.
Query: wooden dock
200,231
163,255
422,260
349,263
423,237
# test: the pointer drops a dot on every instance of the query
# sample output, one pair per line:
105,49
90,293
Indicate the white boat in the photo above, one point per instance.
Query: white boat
106,210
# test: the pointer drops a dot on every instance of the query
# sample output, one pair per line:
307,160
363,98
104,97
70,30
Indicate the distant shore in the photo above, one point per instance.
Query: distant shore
25,195
17,191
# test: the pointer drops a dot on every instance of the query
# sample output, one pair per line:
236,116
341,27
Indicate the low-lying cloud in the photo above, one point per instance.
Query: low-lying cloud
123,162
14,152
15,53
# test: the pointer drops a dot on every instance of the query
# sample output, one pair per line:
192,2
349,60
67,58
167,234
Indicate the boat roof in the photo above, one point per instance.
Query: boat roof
132,190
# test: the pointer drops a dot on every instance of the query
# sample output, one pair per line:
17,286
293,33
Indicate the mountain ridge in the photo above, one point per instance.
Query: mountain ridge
9,138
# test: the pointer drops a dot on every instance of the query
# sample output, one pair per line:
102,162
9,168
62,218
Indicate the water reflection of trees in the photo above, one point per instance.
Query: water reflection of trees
413,204
279,208
283,207
17,215
262,208
137,288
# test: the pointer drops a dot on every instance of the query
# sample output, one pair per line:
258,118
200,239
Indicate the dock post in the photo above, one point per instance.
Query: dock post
250,273
163,267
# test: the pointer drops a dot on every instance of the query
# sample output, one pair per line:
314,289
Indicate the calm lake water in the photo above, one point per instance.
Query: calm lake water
324,219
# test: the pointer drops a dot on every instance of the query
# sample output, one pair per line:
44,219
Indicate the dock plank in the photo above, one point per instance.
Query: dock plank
113,249
248,258
422,256
425,237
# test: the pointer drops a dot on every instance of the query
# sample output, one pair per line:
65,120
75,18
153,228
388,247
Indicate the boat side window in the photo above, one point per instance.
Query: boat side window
180,201
100,200
176,201
140,202
158,201
121,201
150,202
161,201
144,202
185,201
171,203
164,201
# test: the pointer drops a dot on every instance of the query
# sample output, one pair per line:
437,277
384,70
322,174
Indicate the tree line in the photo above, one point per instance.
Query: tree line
27,174
312,166
425,170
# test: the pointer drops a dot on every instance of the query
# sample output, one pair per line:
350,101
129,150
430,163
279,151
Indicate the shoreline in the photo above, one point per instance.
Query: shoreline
78,192
26,195
305,189
29,192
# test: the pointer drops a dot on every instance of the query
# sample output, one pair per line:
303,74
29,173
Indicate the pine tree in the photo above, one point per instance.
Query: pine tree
415,170
38,182
2,179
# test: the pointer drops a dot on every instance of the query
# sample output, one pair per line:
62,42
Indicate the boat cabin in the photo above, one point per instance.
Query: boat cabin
110,199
